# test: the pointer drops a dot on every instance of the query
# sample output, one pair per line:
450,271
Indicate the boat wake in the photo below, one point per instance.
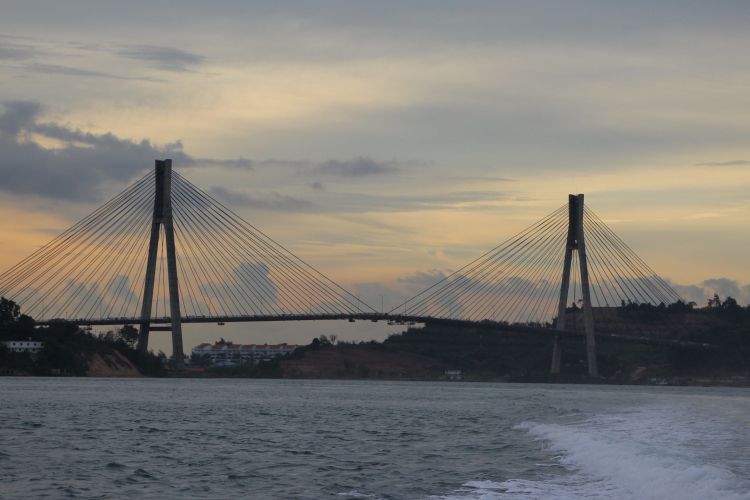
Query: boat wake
651,453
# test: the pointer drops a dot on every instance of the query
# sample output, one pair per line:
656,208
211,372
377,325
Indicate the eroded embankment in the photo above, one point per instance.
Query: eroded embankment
111,364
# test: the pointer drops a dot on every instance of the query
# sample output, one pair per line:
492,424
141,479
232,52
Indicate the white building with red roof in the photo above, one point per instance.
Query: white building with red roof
229,353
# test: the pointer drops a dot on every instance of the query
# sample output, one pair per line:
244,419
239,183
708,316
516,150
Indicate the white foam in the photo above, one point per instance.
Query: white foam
651,453
356,494
634,469
518,489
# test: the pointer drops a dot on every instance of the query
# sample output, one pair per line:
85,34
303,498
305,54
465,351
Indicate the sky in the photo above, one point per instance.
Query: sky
387,143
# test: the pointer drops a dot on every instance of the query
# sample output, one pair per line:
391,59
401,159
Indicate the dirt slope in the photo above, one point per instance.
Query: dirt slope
111,365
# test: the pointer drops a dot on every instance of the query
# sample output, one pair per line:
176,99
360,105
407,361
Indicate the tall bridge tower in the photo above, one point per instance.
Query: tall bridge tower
162,217
576,242
230,270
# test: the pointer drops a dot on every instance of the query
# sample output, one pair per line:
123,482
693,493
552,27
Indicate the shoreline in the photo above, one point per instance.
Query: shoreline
733,381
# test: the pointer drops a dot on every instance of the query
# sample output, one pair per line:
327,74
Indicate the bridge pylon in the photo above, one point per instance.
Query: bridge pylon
162,217
576,242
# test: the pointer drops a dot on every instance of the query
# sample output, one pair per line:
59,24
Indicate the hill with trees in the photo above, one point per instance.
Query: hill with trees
71,350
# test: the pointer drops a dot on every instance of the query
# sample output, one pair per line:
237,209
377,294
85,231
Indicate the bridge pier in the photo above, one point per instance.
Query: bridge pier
575,242
162,217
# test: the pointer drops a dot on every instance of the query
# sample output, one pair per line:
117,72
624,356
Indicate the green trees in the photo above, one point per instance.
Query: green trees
729,306
67,347
714,302
13,324
129,335
9,312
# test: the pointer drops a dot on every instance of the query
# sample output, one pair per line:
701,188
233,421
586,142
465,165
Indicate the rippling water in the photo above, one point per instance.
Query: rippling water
151,438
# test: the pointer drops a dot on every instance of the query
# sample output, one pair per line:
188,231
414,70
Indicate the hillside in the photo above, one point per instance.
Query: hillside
367,360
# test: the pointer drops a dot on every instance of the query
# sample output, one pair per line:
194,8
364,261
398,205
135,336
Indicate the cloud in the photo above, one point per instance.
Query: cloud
251,288
732,163
380,297
82,164
360,166
424,278
160,57
56,69
691,293
443,300
260,275
724,287
485,178
16,52
54,160
120,292
476,296
339,202
369,202
272,201
239,163
164,58
17,116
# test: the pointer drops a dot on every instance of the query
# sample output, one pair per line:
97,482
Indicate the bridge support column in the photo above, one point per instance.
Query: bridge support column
576,242
162,218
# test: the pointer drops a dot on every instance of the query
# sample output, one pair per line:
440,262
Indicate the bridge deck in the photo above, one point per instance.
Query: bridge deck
396,318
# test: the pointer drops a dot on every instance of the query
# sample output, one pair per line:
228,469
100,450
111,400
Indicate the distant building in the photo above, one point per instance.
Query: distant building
31,346
227,354
453,375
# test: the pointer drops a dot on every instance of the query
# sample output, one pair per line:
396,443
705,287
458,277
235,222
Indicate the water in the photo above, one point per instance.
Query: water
150,438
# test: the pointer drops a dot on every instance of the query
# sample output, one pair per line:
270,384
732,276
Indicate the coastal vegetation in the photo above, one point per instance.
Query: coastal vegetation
677,343
69,349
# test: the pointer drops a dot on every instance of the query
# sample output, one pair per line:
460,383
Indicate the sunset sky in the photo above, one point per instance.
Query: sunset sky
389,142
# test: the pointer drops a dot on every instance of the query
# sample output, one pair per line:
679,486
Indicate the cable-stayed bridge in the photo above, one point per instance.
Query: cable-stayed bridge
163,253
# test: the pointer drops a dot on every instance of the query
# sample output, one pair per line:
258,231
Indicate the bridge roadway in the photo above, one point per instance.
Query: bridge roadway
375,317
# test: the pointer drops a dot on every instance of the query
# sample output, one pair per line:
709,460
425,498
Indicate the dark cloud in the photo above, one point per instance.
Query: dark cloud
16,52
160,57
83,164
272,201
360,166
165,58
732,163
56,69
17,116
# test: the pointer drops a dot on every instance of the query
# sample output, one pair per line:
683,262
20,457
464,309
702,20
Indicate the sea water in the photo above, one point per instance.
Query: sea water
197,438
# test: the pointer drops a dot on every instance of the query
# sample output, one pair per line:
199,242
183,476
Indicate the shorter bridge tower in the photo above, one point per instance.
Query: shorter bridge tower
576,241
162,216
